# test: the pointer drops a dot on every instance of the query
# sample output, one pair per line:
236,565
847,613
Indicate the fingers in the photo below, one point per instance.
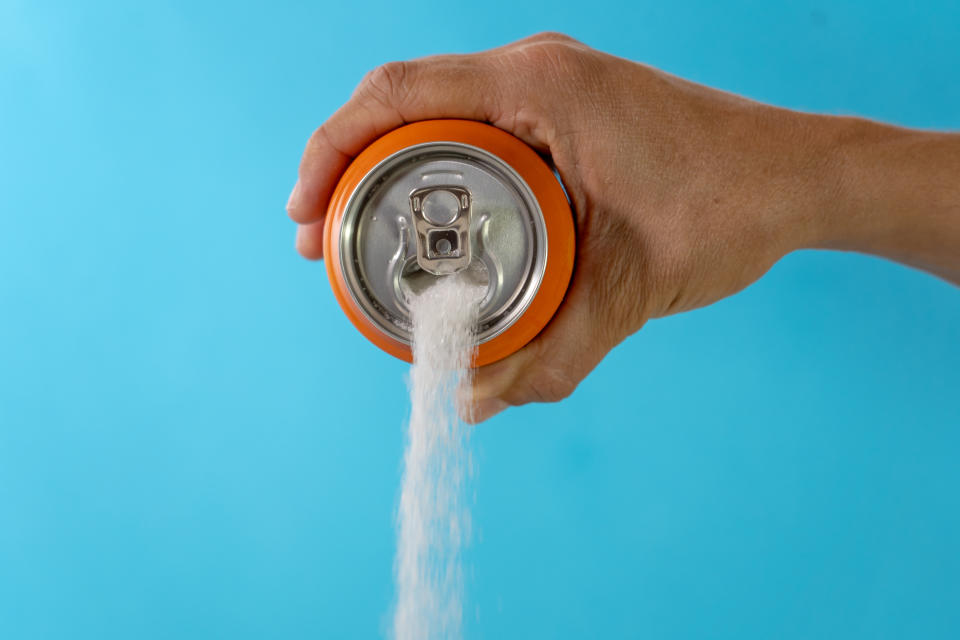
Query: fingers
310,240
391,95
320,166
550,367
507,86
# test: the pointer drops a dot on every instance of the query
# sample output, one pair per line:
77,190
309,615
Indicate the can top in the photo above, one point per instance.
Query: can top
445,196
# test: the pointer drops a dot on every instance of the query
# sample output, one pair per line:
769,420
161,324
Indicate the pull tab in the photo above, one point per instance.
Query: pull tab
441,218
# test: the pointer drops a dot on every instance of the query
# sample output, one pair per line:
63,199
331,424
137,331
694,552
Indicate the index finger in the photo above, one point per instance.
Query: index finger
389,96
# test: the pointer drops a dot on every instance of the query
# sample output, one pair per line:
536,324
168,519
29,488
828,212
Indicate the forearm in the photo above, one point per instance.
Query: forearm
896,194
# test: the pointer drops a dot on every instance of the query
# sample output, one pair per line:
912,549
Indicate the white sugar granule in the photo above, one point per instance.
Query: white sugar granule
433,520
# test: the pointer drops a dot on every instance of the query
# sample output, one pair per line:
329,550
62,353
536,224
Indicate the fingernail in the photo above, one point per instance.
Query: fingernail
486,409
294,198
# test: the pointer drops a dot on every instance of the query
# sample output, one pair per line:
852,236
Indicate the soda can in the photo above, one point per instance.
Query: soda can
439,197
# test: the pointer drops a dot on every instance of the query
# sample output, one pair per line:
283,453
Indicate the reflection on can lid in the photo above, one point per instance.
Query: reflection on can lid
429,206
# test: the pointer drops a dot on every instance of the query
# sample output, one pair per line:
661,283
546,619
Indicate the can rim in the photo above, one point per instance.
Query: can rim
540,179
510,310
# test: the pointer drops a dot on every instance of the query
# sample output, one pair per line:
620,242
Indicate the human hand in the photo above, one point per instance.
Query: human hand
683,194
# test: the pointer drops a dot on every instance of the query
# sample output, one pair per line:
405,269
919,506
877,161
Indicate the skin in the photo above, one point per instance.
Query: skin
683,194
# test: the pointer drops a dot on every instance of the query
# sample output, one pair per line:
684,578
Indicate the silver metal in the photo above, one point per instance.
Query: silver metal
499,240
441,217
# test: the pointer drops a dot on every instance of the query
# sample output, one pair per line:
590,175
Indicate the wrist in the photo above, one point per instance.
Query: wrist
856,216
890,192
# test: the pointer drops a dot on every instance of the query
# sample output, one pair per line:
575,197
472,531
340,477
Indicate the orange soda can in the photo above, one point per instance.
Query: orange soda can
439,197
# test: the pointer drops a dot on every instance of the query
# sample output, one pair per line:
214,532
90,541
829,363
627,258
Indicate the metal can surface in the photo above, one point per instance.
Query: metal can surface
439,197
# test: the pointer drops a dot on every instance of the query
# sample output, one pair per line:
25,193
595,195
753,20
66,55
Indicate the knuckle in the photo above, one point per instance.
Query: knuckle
551,384
558,59
557,386
387,84
557,52
553,36
546,378
319,139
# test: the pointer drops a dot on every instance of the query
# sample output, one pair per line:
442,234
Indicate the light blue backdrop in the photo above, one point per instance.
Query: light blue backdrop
194,442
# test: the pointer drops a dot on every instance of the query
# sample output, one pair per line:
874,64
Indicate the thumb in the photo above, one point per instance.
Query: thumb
550,367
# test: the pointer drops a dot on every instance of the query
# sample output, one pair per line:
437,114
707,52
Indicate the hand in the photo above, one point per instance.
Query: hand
683,194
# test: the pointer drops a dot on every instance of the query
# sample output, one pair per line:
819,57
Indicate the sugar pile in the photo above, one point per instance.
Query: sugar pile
433,521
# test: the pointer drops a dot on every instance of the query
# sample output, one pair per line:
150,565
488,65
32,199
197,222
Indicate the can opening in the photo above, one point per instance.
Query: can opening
414,280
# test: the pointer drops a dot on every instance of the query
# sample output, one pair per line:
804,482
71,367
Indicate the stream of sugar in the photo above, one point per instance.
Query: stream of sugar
433,519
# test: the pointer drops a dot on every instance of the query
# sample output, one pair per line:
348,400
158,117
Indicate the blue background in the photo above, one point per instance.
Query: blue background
195,443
